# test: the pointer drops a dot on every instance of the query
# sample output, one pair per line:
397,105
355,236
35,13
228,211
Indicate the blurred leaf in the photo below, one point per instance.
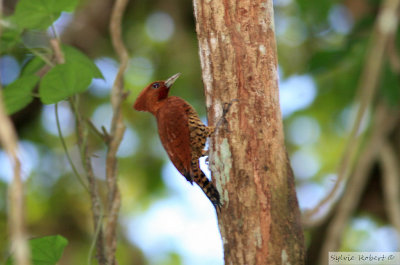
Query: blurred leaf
18,94
64,5
46,250
390,85
325,60
40,14
63,81
363,26
73,55
10,37
172,259
32,66
316,11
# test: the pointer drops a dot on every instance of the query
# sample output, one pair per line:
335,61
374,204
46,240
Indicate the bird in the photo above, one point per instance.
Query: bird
182,133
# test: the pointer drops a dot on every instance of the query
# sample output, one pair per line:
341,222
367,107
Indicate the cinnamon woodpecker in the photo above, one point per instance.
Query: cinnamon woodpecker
181,131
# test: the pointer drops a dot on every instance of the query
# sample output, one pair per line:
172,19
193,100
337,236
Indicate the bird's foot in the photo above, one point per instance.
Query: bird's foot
225,110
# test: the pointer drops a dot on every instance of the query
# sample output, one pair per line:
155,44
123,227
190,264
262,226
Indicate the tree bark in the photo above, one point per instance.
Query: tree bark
260,218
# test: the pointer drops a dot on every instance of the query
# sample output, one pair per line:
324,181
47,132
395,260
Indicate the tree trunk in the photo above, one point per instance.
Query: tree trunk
260,218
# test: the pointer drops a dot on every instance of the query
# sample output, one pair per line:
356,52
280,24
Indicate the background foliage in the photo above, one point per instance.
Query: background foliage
321,48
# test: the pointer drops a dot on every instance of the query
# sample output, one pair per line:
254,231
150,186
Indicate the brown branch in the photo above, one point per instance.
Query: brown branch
59,55
8,138
390,182
384,122
385,26
117,130
97,209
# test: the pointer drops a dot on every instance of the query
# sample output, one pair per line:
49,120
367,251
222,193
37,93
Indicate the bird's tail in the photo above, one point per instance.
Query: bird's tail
206,185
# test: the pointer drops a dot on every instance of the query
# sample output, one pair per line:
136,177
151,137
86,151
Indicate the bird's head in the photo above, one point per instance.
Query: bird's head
152,96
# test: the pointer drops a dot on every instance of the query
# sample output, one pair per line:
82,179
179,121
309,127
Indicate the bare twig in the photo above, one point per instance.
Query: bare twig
59,55
117,129
105,242
103,136
97,209
384,122
385,26
98,230
391,183
8,138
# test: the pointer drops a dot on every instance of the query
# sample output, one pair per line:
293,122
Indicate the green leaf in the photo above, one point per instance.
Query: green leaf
40,14
73,55
18,94
33,66
63,81
35,14
46,250
65,5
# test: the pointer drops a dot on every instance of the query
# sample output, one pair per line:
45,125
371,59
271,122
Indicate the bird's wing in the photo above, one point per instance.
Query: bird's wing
173,128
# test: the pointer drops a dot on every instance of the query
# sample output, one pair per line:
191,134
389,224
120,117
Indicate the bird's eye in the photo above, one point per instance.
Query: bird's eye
155,85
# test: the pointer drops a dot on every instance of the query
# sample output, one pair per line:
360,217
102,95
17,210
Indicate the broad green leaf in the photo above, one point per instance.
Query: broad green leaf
45,250
35,14
63,81
40,14
73,55
18,94
32,66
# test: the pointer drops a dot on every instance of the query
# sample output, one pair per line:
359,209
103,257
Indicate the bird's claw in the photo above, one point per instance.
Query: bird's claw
225,110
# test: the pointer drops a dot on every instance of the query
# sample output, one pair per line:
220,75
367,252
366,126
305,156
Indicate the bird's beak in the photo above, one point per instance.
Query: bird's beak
168,83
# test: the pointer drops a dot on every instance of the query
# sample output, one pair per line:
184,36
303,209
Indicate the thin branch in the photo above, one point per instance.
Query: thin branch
97,208
16,221
103,136
96,236
391,183
384,122
59,55
117,129
385,26
8,138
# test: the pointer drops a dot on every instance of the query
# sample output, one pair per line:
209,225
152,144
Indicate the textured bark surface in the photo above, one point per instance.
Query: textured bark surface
260,218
